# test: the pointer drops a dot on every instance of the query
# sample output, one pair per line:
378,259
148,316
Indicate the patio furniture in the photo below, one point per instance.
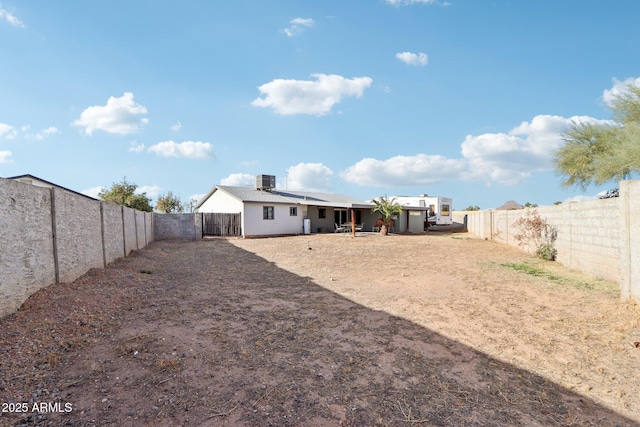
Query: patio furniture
377,226
359,227
338,229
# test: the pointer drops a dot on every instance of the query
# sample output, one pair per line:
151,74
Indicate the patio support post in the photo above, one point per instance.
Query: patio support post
353,223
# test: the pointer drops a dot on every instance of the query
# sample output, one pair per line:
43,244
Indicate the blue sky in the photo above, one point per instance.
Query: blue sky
462,98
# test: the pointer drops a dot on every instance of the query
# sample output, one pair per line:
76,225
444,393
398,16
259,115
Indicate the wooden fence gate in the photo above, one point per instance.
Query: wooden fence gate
221,224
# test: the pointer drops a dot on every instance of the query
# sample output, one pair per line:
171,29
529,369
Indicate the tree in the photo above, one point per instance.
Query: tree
193,202
472,208
169,204
123,193
599,153
530,205
388,209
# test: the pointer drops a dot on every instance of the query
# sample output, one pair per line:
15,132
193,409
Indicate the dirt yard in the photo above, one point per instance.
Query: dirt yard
324,330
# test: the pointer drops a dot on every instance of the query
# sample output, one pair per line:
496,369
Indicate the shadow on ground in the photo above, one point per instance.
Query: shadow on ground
205,333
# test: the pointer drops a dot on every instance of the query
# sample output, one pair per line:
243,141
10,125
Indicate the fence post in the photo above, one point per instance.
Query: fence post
104,251
124,233
54,232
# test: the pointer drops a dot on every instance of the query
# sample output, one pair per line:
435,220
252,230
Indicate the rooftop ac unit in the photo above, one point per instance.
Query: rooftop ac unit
265,182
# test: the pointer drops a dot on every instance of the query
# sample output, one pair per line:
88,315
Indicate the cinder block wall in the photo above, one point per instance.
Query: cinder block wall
630,236
51,235
130,230
113,231
26,243
599,237
78,233
187,226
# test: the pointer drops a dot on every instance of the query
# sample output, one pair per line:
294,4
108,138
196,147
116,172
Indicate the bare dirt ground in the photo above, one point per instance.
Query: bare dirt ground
438,329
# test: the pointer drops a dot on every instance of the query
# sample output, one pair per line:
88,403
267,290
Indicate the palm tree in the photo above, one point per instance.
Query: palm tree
387,208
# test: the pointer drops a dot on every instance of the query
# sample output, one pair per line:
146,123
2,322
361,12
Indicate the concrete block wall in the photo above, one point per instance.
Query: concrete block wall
50,236
187,226
78,234
141,235
148,226
599,237
26,243
113,232
130,231
630,251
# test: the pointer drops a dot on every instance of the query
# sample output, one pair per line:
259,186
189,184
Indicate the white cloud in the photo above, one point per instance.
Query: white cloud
134,147
618,88
176,127
239,180
119,116
93,191
188,149
298,25
404,170
309,177
4,156
416,59
7,131
317,97
51,130
5,15
505,158
150,190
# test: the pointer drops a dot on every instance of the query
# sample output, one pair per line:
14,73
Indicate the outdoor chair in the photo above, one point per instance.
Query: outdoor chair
360,227
377,226
338,228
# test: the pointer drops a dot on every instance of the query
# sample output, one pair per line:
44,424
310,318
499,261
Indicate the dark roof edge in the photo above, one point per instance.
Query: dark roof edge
52,184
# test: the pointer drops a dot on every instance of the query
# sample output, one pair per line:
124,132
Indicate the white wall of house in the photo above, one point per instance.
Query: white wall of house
221,202
254,223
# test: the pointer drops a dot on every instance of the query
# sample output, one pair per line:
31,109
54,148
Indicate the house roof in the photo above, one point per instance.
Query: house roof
28,179
247,194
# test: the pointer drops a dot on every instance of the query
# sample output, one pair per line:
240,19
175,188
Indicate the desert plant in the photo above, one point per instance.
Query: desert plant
388,208
546,251
537,235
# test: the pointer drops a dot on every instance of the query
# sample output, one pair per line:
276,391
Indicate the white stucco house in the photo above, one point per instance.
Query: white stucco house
267,211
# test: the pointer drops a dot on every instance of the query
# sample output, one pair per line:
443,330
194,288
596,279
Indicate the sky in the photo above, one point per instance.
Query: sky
465,99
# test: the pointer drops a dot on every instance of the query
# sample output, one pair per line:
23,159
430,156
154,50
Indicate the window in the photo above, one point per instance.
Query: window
293,211
445,210
267,212
322,212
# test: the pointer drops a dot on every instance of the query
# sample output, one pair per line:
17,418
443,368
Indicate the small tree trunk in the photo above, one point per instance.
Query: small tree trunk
383,230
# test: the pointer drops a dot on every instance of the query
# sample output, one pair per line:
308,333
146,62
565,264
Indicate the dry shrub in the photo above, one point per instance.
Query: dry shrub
537,235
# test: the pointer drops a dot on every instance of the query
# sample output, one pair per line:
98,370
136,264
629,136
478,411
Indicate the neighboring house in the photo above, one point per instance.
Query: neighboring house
39,182
267,211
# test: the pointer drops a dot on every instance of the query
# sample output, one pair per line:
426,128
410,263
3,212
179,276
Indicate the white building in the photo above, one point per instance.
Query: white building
266,211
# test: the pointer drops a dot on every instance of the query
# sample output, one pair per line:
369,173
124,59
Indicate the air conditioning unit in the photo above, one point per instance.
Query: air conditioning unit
265,182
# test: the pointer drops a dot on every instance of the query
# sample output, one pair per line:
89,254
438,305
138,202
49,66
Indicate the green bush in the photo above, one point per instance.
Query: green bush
546,251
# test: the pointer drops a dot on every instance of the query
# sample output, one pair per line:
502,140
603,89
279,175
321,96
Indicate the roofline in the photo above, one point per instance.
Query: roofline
210,193
302,202
51,184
